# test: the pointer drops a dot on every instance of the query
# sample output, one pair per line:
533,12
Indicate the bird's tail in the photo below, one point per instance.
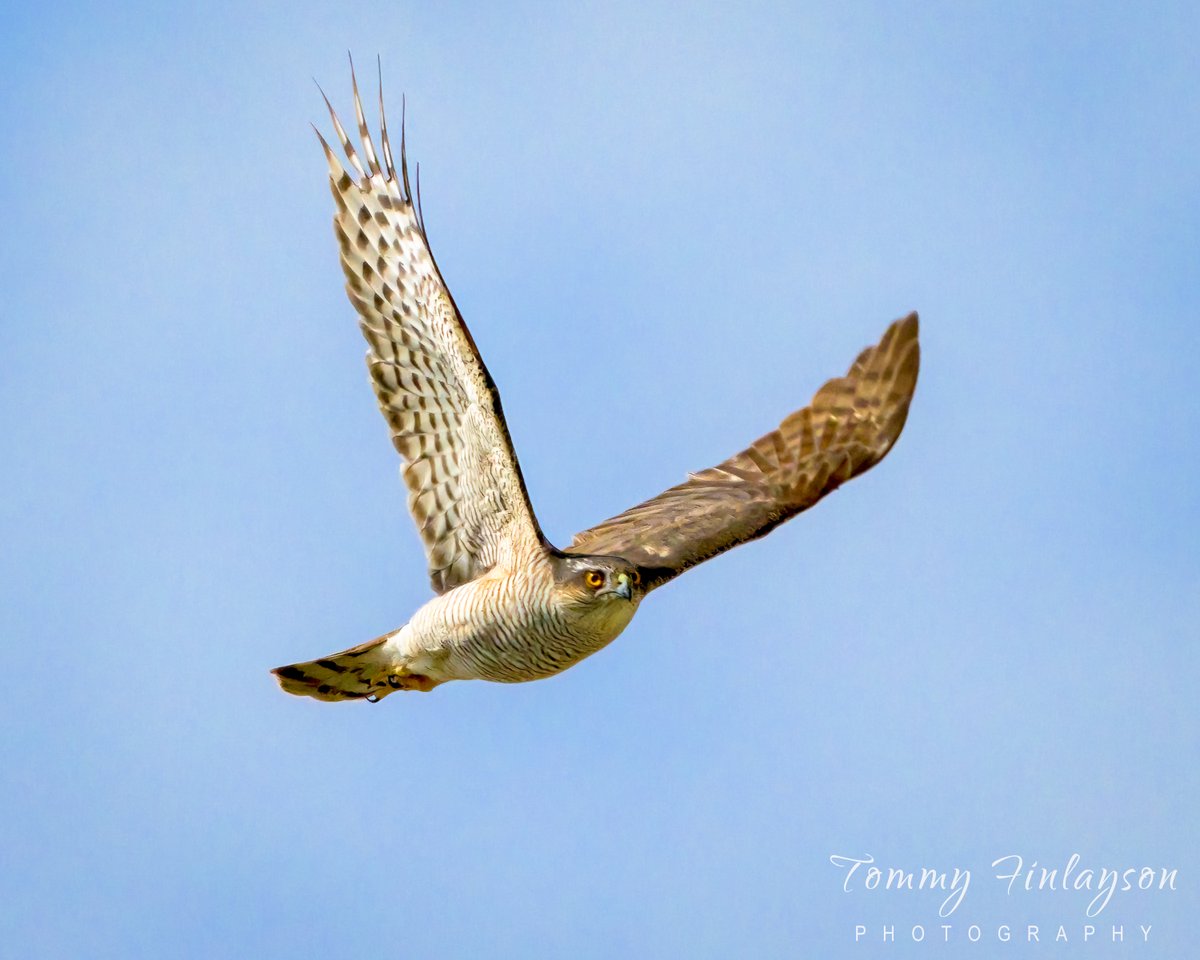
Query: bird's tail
369,671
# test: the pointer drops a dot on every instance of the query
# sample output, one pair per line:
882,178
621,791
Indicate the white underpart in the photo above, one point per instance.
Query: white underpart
505,628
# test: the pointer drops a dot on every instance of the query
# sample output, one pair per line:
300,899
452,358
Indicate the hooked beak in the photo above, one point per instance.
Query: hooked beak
624,586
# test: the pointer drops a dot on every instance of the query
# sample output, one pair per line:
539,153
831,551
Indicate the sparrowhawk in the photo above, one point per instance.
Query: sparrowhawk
509,605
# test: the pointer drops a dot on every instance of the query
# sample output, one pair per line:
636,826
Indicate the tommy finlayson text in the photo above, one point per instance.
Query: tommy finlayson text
1079,887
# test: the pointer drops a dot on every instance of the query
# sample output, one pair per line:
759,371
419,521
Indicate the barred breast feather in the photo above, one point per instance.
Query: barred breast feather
507,628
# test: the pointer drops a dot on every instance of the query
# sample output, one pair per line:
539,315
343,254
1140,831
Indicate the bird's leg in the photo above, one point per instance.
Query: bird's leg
411,681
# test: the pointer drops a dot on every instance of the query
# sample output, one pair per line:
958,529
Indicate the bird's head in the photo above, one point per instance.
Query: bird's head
598,583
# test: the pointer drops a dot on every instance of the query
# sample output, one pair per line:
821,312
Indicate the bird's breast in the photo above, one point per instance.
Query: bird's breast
510,630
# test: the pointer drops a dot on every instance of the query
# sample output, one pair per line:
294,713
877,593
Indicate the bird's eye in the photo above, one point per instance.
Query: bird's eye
635,578
594,579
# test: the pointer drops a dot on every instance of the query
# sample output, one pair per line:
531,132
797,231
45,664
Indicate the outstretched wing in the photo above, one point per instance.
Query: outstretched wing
849,427
465,489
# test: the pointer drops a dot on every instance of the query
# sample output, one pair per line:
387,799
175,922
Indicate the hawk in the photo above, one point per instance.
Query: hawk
509,605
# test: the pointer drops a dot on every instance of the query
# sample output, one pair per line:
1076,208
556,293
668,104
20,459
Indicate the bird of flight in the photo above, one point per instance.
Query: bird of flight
509,605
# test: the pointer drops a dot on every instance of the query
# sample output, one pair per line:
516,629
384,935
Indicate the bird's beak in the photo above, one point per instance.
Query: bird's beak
624,586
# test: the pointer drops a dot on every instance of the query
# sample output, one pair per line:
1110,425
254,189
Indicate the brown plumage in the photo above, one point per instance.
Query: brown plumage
849,426
510,606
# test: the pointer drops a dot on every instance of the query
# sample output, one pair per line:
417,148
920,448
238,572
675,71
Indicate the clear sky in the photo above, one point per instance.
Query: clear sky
666,229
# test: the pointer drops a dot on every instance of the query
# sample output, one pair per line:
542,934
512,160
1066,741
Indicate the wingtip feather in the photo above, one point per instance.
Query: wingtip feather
364,134
347,146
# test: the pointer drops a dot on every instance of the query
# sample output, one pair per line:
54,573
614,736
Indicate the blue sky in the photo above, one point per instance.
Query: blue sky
666,230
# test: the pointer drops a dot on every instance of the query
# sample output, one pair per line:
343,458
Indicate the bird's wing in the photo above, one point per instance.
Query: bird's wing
465,489
849,427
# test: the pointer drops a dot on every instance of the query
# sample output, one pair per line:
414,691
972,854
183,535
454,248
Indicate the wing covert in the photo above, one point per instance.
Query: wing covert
850,425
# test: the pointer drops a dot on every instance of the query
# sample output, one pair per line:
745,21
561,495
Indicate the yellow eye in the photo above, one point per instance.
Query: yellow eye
635,578
594,579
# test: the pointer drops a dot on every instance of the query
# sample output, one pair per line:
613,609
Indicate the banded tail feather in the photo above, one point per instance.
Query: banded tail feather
366,672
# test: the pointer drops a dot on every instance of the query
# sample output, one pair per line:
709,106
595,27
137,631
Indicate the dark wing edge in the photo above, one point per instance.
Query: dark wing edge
850,425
